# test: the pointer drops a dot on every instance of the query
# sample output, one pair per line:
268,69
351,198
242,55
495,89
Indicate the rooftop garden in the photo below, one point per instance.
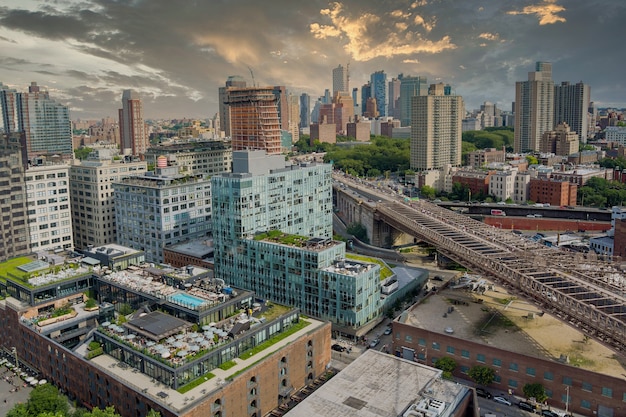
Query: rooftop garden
385,271
9,270
283,238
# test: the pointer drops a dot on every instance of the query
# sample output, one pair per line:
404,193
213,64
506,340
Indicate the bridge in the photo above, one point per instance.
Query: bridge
576,287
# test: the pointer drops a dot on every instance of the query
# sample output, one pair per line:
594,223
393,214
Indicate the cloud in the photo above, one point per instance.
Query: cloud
546,11
367,36
489,36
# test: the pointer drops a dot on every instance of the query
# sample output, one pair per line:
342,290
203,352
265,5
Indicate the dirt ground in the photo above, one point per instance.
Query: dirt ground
555,338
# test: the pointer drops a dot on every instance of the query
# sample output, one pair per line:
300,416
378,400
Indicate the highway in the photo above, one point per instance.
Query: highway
577,288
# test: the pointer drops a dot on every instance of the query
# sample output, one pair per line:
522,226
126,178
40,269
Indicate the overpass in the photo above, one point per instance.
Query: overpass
576,287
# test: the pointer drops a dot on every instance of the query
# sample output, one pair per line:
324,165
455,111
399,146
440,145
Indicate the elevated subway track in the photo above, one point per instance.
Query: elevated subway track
580,290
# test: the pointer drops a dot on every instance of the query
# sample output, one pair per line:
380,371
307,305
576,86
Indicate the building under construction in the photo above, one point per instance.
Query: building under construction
254,119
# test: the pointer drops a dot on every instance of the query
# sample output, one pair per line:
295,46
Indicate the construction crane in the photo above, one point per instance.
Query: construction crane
252,75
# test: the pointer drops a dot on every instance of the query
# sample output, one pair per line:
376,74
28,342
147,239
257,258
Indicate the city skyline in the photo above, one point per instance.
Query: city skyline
176,57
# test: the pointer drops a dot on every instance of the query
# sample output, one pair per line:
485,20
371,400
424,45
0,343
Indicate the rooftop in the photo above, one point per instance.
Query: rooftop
305,242
196,248
502,320
377,384
42,269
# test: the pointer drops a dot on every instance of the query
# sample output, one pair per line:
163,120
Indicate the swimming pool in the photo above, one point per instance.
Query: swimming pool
187,300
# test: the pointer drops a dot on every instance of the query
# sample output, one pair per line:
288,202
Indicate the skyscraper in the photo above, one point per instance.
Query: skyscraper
366,93
409,87
436,129
14,224
305,110
394,96
340,79
571,104
234,81
133,134
379,91
254,119
44,124
534,108
282,105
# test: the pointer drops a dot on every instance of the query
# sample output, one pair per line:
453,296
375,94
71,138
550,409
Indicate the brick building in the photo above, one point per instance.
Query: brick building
476,181
588,391
619,239
324,132
485,156
553,192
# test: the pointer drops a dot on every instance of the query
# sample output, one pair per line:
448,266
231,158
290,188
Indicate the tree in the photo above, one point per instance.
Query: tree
43,399
482,375
532,160
359,231
82,153
427,192
447,365
536,391
107,412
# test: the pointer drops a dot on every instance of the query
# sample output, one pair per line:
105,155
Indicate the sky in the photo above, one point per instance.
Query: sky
177,53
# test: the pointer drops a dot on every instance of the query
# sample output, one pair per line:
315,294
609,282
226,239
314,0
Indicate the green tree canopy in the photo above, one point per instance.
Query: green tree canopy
482,375
428,192
532,160
492,137
359,231
447,365
536,391
82,153
46,399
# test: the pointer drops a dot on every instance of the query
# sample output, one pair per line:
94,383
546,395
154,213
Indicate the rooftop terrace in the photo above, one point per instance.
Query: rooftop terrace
305,242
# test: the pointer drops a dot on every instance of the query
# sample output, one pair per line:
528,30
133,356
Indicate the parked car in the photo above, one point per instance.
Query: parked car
374,343
481,392
548,413
437,278
502,400
387,330
337,347
525,406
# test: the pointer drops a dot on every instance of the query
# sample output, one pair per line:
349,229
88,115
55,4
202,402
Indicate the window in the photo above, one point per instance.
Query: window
548,376
450,350
408,338
530,371
588,387
497,378
435,346
480,358
465,353
586,404
421,342
513,367
567,381
607,392
512,383
497,362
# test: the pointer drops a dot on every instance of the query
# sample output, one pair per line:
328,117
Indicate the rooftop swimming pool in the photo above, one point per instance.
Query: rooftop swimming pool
187,300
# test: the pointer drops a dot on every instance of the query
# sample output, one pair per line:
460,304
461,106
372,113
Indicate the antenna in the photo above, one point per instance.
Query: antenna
252,75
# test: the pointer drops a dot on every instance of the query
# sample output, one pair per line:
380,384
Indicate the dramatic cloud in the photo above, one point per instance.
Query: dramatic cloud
546,11
369,36
177,54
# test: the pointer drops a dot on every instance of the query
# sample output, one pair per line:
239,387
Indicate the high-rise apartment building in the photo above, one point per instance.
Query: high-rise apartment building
379,91
44,124
133,133
410,87
305,110
394,97
534,107
162,208
355,100
571,105
282,105
93,211
340,80
436,129
293,105
49,211
14,219
254,119
272,230
560,141
233,81
366,93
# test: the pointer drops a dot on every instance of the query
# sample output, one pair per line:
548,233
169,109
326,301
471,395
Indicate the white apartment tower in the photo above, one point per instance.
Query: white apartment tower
534,108
49,211
340,79
436,129
93,212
